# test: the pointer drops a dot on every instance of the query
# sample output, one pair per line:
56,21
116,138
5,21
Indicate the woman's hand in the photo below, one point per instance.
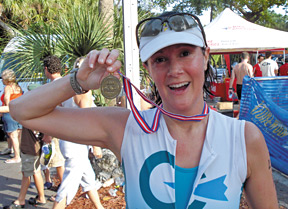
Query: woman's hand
97,152
96,66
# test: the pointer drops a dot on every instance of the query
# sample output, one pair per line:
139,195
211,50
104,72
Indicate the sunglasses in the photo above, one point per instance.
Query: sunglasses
177,22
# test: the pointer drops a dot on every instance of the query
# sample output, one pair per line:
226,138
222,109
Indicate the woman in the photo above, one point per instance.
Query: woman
201,161
13,129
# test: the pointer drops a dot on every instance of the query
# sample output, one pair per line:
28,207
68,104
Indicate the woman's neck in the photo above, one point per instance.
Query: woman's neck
195,109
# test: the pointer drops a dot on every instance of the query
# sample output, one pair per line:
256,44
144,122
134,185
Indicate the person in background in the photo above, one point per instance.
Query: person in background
242,69
268,66
30,147
283,70
256,68
52,70
13,129
78,169
186,157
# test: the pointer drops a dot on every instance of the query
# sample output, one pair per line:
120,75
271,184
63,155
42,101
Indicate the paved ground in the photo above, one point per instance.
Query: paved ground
10,183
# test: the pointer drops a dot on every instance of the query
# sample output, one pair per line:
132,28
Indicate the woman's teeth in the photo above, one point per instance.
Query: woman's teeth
180,85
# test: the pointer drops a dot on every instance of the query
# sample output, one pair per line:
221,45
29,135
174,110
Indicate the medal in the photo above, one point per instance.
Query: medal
110,87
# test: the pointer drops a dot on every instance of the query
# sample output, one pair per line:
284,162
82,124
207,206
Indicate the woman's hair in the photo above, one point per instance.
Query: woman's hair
9,76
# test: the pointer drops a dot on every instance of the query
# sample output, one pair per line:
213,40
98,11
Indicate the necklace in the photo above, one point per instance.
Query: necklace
154,127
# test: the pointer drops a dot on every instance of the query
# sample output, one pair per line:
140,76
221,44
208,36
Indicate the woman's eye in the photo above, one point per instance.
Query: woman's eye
185,53
160,59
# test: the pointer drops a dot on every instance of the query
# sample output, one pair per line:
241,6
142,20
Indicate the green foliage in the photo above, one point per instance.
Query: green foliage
251,10
84,32
272,20
74,37
31,50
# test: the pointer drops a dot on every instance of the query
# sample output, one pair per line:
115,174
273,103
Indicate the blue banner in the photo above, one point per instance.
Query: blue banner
264,102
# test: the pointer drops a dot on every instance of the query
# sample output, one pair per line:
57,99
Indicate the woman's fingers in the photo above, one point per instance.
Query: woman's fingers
103,57
92,57
96,66
112,57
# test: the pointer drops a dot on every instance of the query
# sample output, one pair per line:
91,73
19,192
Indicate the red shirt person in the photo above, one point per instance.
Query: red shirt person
283,70
256,68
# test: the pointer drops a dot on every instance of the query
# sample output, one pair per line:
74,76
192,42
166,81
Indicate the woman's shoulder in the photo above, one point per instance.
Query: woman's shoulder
8,89
255,145
253,136
221,118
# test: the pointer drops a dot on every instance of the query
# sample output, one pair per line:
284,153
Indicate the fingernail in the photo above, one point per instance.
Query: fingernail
109,61
101,60
109,68
91,65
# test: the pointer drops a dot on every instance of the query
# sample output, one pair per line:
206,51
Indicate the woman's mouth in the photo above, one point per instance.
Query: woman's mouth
179,86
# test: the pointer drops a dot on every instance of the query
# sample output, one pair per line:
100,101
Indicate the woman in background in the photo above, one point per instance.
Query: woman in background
13,129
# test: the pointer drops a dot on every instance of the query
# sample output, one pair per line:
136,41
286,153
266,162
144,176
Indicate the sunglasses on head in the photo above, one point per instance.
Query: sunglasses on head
177,22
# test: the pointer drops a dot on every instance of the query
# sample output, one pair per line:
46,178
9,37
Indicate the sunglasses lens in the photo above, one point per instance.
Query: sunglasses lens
152,28
177,23
181,23
190,21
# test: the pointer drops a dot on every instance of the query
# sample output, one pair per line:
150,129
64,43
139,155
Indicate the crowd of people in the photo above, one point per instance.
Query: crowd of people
70,159
265,67
179,154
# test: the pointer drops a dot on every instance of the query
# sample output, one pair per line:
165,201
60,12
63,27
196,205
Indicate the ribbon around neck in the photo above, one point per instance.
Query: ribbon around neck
141,121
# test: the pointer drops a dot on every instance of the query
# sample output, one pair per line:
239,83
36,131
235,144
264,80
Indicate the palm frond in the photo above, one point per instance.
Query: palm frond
30,49
85,32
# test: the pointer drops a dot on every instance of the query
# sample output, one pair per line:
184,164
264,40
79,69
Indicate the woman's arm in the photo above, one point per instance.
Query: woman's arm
259,185
7,94
4,109
102,127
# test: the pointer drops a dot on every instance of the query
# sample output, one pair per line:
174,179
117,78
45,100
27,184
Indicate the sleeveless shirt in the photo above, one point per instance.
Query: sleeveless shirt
12,96
148,161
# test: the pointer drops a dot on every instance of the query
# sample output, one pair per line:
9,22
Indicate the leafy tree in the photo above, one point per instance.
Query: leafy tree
250,10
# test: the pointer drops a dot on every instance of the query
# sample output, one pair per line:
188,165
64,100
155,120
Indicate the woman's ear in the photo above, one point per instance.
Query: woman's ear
206,57
145,65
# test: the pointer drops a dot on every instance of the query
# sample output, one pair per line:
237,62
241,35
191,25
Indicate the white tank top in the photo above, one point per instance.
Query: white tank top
148,162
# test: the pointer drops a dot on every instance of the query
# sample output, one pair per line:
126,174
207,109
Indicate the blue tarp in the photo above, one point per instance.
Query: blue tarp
265,103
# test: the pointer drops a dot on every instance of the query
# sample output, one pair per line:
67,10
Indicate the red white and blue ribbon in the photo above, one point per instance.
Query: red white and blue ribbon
141,121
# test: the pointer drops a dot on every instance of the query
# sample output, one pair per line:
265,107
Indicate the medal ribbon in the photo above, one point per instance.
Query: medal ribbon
141,121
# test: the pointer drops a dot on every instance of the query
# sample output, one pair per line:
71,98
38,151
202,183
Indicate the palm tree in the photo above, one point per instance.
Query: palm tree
30,50
82,33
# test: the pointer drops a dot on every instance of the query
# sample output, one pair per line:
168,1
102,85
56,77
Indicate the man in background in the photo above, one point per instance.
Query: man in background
239,71
268,66
78,169
256,68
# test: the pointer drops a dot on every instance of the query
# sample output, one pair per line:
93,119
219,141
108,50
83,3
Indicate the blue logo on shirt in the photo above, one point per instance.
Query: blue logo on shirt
213,189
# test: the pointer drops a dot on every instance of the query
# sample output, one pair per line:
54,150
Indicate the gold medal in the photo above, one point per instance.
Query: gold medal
110,87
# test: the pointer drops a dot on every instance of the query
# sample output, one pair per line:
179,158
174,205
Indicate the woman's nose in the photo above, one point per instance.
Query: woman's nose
175,68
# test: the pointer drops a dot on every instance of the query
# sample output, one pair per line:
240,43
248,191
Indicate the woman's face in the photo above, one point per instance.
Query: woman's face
178,73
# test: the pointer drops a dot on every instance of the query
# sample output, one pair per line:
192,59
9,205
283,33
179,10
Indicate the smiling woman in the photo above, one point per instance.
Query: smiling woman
161,148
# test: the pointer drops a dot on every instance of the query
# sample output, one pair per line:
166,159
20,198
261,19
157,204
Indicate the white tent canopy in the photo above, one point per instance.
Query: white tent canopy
231,33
